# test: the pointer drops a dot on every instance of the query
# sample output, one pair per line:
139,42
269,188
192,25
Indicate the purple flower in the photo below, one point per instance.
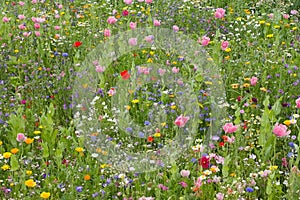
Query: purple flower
249,189
79,188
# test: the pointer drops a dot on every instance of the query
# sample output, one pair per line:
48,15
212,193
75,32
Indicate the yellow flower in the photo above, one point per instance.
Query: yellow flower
7,155
5,167
163,124
232,174
30,183
173,107
214,169
289,122
1,142
272,168
28,172
135,101
227,49
246,85
45,195
36,132
14,150
227,57
29,140
151,53
174,62
262,22
246,79
294,28
235,85
263,89
149,60
79,149
156,135
16,51
128,107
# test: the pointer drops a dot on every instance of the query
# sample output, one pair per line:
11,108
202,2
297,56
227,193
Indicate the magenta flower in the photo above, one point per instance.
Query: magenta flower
220,13
156,23
298,103
106,33
205,41
224,45
281,130
111,20
229,128
132,25
253,80
21,137
183,184
181,121
5,19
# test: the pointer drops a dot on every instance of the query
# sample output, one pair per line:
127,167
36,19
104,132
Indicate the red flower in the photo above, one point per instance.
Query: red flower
150,139
77,44
125,75
204,162
221,144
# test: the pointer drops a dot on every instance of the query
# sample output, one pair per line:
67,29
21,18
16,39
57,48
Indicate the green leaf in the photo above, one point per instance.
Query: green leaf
14,163
45,150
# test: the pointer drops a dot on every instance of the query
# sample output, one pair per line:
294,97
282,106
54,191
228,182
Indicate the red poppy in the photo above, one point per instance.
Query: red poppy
221,144
125,75
77,44
204,162
150,139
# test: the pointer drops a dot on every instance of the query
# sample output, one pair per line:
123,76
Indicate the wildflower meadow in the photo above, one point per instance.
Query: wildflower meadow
149,99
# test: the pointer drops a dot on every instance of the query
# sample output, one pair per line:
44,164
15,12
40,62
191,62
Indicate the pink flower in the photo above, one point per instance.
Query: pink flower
5,19
156,23
185,173
198,183
175,70
161,71
148,1
21,137
60,6
132,41
106,33
183,184
285,16
181,121
26,34
271,15
34,1
100,69
229,128
37,25
132,25
22,27
21,3
298,103
175,28
149,38
128,2
280,130
57,16
37,33
224,45
220,196
111,20
21,17
205,41
294,12
253,80
220,12
56,27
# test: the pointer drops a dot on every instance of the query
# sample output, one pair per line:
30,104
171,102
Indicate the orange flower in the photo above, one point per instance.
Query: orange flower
14,150
29,140
87,177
